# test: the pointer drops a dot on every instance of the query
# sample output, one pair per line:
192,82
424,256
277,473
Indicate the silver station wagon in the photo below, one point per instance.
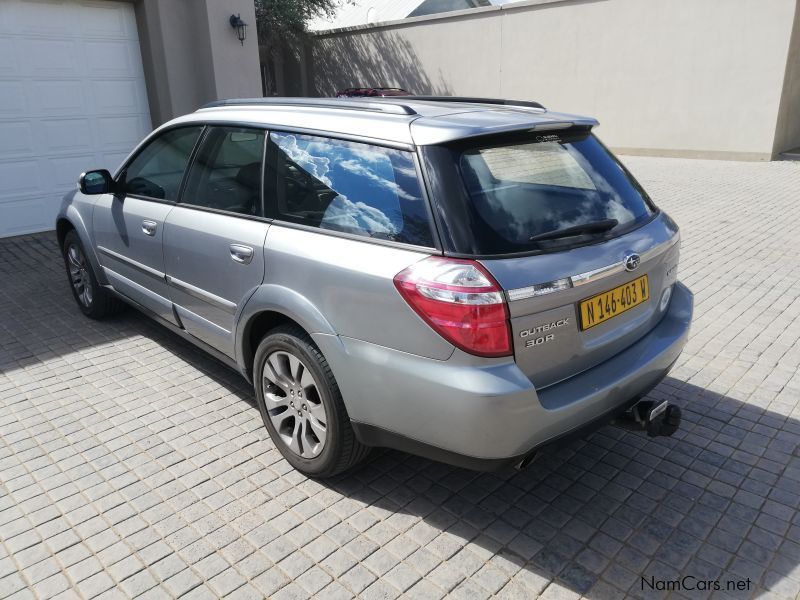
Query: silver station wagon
464,279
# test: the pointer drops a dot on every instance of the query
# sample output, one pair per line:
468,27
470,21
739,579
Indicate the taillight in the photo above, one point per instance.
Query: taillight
461,301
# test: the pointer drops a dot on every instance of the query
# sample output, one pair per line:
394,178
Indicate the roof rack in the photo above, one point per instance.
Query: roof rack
475,100
370,104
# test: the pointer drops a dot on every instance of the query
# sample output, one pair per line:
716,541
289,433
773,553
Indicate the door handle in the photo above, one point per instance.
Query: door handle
241,254
149,227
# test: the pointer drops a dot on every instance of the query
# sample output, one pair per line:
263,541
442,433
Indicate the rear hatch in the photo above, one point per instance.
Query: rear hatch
573,310
584,256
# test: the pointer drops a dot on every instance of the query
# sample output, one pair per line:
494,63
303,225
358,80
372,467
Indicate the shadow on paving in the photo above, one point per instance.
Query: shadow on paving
37,308
718,501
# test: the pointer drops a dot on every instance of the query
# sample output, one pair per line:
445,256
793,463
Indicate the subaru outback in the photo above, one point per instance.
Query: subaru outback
459,278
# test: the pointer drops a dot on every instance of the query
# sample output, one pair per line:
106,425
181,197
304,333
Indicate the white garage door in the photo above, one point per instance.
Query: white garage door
72,98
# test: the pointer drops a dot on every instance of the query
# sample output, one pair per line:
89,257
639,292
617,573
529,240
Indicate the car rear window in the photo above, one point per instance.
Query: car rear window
521,188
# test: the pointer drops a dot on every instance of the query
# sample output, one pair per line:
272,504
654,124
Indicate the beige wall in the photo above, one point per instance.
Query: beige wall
685,77
192,56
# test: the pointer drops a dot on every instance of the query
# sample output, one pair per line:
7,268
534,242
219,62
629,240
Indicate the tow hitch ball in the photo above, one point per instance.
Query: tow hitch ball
656,419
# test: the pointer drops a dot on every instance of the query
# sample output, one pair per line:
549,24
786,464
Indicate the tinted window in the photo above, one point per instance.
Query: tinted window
157,171
527,187
226,172
351,187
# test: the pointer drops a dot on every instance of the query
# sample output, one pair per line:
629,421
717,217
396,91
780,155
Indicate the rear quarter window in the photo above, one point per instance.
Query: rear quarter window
349,187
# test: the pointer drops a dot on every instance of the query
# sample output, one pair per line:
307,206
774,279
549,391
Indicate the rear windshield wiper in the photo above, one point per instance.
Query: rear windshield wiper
592,227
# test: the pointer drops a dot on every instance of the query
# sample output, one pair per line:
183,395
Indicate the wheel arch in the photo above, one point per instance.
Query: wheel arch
70,219
63,226
270,306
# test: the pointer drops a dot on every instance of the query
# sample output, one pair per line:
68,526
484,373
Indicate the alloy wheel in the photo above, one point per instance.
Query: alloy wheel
294,404
79,274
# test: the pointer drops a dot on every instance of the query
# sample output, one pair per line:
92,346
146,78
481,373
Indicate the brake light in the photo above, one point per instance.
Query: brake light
460,301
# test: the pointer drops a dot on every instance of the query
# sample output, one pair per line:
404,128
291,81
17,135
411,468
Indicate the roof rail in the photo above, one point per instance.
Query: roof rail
475,100
393,108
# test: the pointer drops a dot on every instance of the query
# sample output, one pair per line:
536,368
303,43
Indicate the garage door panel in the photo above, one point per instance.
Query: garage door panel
44,16
97,19
65,136
57,98
20,177
120,96
110,58
42,57
64,171
72,98
8,57
24,215
119,132
13,99
16,139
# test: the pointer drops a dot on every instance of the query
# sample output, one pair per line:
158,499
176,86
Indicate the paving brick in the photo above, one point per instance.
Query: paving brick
182,583
226,582
357,579
271,581
313,580
95,585
133,464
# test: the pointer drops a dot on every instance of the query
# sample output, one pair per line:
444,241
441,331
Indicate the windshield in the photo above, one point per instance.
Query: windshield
546,192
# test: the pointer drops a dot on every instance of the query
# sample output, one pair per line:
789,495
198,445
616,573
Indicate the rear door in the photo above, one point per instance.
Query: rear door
214,238
129,226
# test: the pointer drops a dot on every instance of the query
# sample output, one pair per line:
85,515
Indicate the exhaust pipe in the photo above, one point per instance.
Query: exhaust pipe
661,419
526,461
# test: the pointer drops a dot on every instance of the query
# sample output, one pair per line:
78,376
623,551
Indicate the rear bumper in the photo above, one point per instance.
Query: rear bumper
483,414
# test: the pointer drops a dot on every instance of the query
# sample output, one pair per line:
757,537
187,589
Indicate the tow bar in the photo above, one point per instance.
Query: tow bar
662,419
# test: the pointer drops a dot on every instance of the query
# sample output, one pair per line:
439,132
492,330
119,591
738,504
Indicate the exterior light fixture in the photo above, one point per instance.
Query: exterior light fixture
240,27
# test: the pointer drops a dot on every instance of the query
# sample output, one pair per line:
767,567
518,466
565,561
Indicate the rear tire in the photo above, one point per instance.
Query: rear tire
301,405
94,301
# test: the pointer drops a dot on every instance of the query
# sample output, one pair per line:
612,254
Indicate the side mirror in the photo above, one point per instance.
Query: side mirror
96,182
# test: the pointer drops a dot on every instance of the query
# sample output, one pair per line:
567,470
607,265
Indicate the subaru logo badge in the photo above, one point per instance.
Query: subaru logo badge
631,262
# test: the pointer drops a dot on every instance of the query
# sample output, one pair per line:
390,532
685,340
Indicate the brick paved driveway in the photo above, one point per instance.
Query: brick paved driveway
133,465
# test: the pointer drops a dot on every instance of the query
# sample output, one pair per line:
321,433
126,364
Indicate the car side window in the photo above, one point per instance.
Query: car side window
157,170
226,171
348,186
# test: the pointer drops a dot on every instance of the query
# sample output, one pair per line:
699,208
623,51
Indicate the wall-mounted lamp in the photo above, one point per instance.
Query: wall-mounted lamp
240,27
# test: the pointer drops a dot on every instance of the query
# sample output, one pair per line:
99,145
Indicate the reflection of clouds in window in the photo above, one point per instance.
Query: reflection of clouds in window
346,214
588,212
359,169
366,154
408,171
369,184
615,210
317,166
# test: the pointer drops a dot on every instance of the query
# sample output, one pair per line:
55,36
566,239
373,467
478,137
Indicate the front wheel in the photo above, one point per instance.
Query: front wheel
92,299
301,405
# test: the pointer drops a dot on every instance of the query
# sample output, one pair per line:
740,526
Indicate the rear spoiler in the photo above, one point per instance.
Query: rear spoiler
442,130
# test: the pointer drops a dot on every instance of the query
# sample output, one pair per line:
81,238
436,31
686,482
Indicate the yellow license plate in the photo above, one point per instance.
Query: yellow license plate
607,305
